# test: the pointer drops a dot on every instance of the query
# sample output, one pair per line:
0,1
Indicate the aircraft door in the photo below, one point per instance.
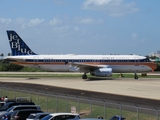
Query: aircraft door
35,62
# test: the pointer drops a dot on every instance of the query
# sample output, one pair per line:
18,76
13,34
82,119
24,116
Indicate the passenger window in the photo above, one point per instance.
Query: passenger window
18,108
69,117
56,118
115,118
31,117
42,116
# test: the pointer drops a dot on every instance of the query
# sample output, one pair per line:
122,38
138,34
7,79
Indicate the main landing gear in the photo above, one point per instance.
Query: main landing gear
84,76
135,76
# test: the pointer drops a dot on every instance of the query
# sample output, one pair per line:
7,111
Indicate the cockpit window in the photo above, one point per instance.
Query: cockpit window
145,60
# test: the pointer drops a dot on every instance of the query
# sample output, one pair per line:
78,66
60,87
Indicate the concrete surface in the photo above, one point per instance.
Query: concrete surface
143,87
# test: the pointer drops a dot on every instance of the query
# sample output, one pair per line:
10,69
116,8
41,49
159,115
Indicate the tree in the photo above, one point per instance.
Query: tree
9,54
2,55
153,57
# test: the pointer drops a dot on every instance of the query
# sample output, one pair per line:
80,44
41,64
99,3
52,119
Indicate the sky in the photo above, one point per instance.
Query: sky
82,26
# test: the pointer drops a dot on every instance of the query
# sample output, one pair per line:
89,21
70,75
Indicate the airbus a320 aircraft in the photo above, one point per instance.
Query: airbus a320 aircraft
96,65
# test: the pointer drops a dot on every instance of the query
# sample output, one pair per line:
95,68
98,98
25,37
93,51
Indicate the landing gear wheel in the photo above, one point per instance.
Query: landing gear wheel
84,76
136,77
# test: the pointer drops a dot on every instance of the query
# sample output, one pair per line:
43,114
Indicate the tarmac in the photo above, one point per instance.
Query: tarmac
143,87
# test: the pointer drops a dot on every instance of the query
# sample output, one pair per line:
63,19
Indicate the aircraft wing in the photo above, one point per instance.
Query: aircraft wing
84,67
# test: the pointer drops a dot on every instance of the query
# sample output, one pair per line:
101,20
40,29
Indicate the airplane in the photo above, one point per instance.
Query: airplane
96,65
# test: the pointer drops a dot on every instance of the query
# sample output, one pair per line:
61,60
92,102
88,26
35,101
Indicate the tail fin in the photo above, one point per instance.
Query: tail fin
18,46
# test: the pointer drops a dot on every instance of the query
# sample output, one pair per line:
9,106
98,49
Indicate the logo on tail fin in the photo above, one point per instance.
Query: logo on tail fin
18,46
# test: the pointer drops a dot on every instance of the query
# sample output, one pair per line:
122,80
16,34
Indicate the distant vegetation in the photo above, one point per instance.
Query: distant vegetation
6,66
158,67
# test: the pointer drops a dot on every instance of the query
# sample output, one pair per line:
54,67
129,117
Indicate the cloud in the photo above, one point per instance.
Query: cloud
143,40
76,28
114,8
5,20
34,22
28,23
61,28
21,20
55,22
60,2
88,20
88,3
134,35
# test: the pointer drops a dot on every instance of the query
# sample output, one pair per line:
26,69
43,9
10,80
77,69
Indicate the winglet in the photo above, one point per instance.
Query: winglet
18,46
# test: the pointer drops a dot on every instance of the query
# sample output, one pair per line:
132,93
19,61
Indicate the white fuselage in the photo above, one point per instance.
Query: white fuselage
61,63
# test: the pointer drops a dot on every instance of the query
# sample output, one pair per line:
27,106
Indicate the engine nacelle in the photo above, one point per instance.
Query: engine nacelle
102,72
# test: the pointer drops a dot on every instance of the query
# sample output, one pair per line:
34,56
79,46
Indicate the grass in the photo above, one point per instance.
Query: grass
73,75
52,103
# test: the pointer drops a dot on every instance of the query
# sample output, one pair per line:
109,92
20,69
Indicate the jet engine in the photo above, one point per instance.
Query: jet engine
102,72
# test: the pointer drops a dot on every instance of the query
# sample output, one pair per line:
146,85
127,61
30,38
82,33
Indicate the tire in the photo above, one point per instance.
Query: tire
84,76
136,77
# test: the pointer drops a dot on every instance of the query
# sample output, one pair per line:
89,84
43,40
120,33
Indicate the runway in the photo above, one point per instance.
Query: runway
142,88
142,92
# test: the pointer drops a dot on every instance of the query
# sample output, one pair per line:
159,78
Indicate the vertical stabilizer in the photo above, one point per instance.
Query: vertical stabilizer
18,46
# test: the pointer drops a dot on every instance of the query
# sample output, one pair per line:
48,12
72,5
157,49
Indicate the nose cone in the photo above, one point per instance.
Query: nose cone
154,66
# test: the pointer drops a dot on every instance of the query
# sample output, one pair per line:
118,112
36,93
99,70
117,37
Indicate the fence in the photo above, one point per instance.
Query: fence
86,107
